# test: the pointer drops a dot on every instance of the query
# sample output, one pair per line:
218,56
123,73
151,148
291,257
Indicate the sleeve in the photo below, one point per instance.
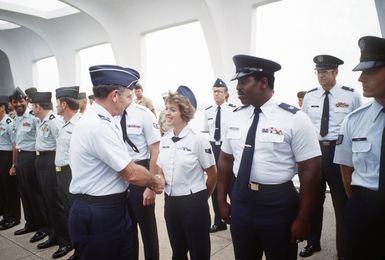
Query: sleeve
304,104
55,127
109,148
205,153
205,124
305,141
150,128
11,132
343,153
149,105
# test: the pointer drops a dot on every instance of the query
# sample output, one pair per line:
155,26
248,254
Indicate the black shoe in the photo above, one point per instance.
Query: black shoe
2,221
9,224
73,257
215,228
23,231
39,235
309,250
62,251
46,244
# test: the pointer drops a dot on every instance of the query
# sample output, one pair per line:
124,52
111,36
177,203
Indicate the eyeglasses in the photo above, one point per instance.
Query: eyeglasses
317,72
218,91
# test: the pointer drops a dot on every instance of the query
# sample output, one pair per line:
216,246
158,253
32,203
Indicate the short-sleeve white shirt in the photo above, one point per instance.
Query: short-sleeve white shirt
97,154
359,145
282,139
183,162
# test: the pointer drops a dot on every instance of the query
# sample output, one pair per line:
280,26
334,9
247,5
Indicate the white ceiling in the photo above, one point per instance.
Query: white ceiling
46,9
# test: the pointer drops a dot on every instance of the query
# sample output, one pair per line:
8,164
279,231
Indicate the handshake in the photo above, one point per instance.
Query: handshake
158,184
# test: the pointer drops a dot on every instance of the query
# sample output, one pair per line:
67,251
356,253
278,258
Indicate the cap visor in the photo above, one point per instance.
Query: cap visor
367,65
241,75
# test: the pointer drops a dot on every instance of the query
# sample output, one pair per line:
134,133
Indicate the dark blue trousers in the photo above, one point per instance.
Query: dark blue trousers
30,192
330,174
261,221
100,227
144,216
9,193
188,224
365,218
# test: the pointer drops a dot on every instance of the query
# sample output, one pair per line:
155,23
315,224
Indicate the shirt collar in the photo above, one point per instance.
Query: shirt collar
182,133
100,110
46,118
332,91
75,118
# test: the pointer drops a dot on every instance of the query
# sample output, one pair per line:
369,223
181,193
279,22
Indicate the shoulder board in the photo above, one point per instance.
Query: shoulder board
52,116
289,108
8,121
240,108
348,89
208,107
31,112
231,105
104,118
314,89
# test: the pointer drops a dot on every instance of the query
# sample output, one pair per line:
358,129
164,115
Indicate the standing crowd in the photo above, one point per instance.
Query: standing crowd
87,178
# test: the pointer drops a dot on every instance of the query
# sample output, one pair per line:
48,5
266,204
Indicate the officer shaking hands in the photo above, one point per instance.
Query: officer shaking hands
360,151
99,222
264,141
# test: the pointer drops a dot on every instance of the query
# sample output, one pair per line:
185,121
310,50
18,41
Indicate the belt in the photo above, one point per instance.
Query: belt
44,152
62,168
216,142
116,199
23,151
327,143
259,187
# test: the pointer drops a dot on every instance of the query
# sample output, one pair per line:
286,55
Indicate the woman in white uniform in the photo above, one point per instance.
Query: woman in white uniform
183,158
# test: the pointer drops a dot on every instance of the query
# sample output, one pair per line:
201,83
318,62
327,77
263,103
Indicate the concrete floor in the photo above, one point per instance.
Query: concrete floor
18,247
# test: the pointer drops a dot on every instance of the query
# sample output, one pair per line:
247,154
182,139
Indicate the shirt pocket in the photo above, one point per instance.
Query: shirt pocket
361,155
234,133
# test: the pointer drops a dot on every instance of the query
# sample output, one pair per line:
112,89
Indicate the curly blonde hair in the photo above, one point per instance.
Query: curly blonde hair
187,111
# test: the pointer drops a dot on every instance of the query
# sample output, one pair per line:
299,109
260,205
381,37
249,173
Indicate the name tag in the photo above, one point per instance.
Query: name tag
358,139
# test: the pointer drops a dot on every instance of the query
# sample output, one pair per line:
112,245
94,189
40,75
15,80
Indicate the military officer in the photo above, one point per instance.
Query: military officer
327,106
216,120
264,141
184,156
47,131
25,153
141,135
360,151
82,102
67,107
9,193
100,226
91,99
142,100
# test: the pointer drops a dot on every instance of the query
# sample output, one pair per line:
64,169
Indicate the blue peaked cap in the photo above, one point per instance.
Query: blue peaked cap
186,92
113,75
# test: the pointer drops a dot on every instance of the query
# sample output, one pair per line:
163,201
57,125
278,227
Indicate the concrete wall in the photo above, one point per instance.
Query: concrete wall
6,80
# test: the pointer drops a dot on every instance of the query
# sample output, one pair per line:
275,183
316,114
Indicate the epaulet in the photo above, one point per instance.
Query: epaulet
208,107
31,112
289,108
52,116
314,89
348,89
231,105
240,108
104,118
8,121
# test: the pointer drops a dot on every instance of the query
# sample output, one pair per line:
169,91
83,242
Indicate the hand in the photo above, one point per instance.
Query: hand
299,230
12,171
148,197
158,185
225,210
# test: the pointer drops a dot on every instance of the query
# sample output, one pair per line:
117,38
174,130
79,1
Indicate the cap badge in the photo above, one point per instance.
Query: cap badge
320,58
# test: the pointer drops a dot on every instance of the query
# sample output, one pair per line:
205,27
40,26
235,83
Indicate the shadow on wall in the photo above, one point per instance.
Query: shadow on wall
6,79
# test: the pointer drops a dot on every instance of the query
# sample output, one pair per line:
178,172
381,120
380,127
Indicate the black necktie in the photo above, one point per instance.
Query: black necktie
248,151
124,130
175,139
217,133
381,180
325,116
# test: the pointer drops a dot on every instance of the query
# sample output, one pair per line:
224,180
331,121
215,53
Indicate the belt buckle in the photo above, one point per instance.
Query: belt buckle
58,168
37,153
218,142
326,143
253,186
